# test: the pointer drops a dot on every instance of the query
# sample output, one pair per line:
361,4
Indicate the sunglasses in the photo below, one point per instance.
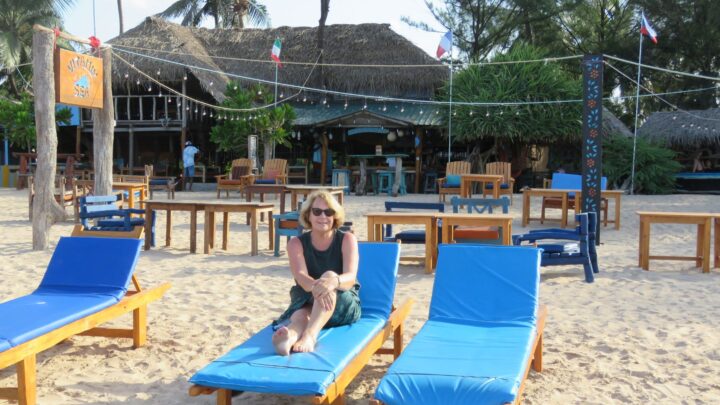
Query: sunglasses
329,212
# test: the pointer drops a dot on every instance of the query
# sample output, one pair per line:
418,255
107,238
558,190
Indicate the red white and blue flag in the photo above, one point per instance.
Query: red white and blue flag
445,44
646,29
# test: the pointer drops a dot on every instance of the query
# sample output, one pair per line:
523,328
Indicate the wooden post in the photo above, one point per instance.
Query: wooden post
45,210
78,135
592,66
418,158
323,154
397,178
103,130
131,149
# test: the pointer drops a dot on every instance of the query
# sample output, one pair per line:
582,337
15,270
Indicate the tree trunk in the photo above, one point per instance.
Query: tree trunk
324,10
103,131
13,87
267,150
120,15
45,210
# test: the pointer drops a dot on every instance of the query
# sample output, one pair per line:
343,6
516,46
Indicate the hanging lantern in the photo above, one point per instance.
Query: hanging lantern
400,133
391,136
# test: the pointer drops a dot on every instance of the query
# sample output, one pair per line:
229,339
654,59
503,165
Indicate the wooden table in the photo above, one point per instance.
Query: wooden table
703,220
131,188
615,195
210,207
262,189
467,181
303,190
298,172
428,219
252,209
449,221
360,189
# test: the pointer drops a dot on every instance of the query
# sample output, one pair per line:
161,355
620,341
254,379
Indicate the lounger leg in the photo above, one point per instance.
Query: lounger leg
224,397
139,326
339,400
398,341
537,357
27,393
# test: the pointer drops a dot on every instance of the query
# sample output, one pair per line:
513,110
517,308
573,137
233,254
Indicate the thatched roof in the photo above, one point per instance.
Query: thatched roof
694,128
344,44
613,125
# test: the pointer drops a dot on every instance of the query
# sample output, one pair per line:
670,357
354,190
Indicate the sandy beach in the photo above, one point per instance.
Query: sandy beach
631,337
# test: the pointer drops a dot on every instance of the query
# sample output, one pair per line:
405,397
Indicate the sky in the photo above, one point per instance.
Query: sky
78,19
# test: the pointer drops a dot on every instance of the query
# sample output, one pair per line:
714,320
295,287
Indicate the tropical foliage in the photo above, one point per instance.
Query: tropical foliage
272,125
225,13
655,167
17,118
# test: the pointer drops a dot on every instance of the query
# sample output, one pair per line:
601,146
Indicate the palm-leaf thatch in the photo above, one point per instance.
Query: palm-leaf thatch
613,125
344,44
691,129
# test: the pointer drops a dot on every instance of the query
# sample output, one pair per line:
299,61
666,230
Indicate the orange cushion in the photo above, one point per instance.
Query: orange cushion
476,232
289,224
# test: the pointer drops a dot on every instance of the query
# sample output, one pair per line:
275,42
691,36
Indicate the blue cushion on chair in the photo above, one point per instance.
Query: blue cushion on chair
452,180
503,186
265,181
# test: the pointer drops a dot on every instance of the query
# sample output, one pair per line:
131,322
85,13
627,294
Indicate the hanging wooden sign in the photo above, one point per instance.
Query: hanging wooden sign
78,79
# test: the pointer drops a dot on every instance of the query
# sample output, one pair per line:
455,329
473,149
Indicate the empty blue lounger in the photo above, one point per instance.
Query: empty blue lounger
85,277
483,331
254,366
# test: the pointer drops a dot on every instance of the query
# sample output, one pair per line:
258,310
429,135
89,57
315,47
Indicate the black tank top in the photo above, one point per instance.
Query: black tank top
319,261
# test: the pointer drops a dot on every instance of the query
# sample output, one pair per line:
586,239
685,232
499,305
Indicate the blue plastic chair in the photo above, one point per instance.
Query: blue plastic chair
386,179
324,373
480,234
288,225
483,333
342,177
567,181
568,246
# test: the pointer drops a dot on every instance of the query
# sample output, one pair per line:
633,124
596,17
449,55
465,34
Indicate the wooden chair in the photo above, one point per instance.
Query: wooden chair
240,176
66,194
450,184
161,183
508,183
275,171
568,181
490,235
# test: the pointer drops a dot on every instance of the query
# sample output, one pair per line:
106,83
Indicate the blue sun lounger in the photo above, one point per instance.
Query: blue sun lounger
483,333
85,285
339,355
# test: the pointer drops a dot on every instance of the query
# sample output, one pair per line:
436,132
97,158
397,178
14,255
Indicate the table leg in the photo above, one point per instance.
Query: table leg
293,200
428,247
645,244
253,234
360,190
526,208
226,229
699,245
131,198
193,230
463,186
564,215
148,228
507,233
248,198
434,225
262,215
168,227
207,233
370,230
282,203
706,245
271,231
717,242
617,211
445,233
496,189
341,198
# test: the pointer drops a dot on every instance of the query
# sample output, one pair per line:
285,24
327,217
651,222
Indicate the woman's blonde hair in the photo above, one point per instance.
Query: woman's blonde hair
338,218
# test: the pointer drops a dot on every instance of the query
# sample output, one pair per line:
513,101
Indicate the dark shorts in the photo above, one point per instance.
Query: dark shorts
189,171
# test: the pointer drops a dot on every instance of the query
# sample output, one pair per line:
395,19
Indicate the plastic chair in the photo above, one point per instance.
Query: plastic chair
479,234
341,178
430,185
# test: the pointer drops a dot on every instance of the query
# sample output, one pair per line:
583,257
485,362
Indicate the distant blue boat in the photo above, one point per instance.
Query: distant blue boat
698,183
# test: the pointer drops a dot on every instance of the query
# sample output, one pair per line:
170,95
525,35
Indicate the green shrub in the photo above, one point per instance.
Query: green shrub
655,167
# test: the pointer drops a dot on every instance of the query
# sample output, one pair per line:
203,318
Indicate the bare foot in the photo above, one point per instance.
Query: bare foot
283,339
305,344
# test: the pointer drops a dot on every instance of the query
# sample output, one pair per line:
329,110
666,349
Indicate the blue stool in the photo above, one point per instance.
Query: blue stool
341,178
430,182
386,180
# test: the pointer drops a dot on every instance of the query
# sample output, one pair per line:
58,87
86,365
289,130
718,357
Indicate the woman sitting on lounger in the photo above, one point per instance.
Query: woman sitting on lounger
324,263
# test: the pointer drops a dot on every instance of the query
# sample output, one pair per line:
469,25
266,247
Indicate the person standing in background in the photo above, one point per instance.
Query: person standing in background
189,164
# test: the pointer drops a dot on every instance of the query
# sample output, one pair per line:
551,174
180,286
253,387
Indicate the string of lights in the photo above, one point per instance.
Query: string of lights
657,95
354,65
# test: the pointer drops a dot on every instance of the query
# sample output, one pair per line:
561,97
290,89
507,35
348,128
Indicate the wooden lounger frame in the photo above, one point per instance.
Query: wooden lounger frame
335,393
535,359
24,355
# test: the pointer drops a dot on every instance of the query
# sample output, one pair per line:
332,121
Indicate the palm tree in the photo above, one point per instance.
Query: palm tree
16,21
225,13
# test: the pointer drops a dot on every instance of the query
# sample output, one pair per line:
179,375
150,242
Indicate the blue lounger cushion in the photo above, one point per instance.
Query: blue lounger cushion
265,181
483,314
254,366
503,186
452,181
85,275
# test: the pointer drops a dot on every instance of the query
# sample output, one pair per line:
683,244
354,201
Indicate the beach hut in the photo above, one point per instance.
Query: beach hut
200,62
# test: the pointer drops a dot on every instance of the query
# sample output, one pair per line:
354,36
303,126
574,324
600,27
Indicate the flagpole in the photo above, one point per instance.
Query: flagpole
276,82
450,109
637,113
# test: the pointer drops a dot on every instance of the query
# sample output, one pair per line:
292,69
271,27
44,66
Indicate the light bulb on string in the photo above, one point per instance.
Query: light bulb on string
421,111
184,77
259,92
211,82
235,87
304,98
137,82
127,75
158,72
384,108
471,113
282,95
149,88
402,109
487,114
324,101
203,112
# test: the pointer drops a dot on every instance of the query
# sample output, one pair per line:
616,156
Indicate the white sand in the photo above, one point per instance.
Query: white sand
631,337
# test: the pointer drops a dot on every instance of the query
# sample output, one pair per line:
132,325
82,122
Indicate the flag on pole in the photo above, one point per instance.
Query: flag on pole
275,53
646,29
445,44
